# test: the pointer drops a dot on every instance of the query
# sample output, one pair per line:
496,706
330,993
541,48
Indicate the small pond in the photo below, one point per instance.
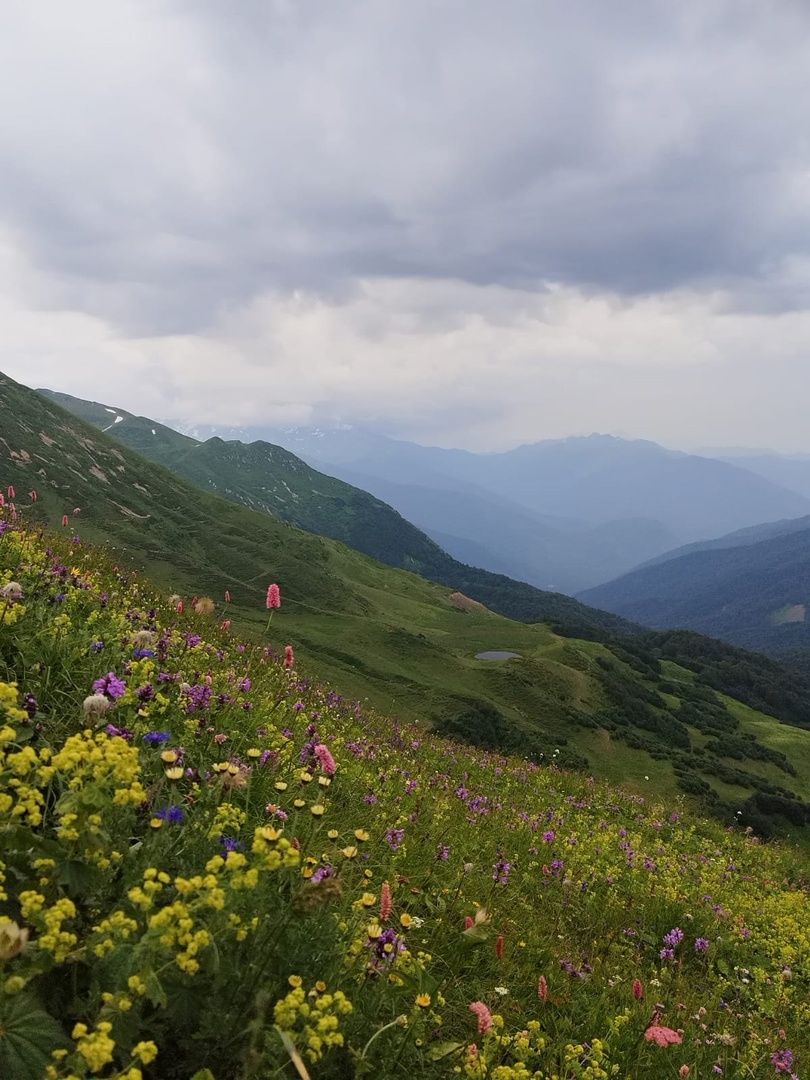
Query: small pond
497,654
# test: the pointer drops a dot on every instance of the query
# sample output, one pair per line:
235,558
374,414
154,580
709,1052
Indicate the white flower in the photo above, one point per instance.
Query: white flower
12,591
95,705
501,990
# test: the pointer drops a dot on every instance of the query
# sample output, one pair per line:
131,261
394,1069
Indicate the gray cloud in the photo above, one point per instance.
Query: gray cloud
185,173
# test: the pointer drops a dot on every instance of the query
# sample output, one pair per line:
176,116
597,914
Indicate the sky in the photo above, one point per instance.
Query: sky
463,222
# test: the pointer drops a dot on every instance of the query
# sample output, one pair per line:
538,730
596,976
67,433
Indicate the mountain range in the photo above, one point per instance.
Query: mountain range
726,727
564,514
751,588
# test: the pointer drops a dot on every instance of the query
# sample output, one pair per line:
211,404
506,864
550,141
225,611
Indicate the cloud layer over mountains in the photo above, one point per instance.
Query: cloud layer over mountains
465,222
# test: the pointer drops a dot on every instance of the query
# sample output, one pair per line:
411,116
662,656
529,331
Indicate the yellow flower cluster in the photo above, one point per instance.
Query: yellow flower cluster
21,800
228,820
312,1019
105,761
274,851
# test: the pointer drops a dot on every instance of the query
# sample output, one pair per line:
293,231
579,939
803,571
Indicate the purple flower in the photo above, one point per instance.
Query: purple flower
782,1060
385,948
549,836
29,703
110,686
96,646
229,843
198,698
674,937
701,945
173,814
143,654
394,837
442,853
121,732
501,871
321,874
155,738
192,640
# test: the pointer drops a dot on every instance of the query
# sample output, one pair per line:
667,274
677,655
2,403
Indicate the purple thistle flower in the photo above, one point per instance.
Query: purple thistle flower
674,937
229,843
110,686
701,944
173,814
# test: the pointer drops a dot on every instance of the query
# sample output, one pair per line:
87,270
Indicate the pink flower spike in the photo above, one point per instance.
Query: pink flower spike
484,1016
12,494
386,903
65,520
662,1036
542,988
289,656
273,597
227,596
325,759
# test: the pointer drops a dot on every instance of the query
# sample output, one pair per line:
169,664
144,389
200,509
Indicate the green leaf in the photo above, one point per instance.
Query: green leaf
203,1074
78,878
443,1050
27,1036
154,989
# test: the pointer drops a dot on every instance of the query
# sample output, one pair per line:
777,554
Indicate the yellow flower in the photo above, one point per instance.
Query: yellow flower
361,834
317,810
368,899
333,834
295,981
175,772
280,785
349,852
298,803
145,1052
169,756
405,920
423,1000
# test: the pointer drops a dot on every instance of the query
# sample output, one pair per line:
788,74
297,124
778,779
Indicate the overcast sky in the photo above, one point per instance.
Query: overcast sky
469,222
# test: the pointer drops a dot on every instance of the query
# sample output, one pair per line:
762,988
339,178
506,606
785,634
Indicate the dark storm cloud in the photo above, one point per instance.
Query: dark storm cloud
162,163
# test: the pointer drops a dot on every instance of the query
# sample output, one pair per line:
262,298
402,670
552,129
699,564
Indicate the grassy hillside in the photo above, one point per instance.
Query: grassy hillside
213,869
393,639
756,595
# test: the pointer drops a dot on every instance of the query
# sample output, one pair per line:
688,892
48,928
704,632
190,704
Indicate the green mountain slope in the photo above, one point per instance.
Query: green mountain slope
265,477
756,594
397,640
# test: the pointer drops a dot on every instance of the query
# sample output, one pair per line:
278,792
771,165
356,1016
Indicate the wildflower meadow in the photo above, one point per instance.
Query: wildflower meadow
213,868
